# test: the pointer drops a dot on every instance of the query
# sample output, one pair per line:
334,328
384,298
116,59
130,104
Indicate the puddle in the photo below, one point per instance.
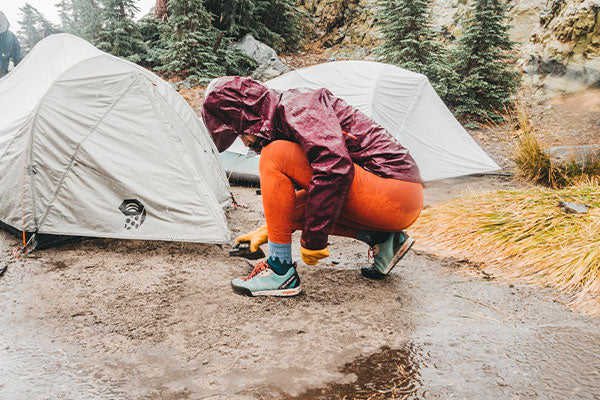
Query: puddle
387,374
34,367
564,362
552,362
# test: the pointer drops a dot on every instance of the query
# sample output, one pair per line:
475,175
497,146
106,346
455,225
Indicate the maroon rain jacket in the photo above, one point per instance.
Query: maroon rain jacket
333,134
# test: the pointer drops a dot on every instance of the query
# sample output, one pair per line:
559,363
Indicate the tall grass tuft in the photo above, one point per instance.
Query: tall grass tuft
523,233
536,166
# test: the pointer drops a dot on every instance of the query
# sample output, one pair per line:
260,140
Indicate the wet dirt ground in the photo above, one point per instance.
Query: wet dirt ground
106,319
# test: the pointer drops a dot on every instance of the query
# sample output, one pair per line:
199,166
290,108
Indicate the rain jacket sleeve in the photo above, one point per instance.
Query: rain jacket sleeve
17,56
311,120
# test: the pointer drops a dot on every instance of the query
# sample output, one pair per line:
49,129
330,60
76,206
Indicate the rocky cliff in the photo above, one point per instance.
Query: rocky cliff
342,23
565,46
352,23
559,40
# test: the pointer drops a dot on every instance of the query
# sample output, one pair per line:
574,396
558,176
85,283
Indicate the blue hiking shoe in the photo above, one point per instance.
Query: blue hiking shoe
263,281
387,255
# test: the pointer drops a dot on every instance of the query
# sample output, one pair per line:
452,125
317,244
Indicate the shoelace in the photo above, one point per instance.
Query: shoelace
373,251
260,267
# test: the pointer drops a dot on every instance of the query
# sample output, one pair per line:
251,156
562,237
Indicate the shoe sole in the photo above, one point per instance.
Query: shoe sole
372,273
408,243
277,293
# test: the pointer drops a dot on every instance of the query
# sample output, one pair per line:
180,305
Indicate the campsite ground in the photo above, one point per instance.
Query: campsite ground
151,320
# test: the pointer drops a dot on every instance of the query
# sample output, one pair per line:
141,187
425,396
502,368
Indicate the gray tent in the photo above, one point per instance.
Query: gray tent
403,102
92,145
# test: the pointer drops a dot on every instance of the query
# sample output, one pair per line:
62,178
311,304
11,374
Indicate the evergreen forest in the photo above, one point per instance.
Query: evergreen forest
191,39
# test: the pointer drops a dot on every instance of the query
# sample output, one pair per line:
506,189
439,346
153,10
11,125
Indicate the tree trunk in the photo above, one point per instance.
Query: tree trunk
160,10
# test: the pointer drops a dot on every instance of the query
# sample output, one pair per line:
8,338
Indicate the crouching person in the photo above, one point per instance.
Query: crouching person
357,180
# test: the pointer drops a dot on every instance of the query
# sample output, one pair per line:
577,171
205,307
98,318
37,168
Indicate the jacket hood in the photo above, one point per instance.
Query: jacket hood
235,105
3,22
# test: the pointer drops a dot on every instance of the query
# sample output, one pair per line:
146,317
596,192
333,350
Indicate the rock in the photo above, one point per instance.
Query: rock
582,155
573,208
343,22
350,53
185,84
266,58
566,42
265,72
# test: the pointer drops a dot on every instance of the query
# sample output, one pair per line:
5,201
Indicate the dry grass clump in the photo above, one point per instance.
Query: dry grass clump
536,166
523,233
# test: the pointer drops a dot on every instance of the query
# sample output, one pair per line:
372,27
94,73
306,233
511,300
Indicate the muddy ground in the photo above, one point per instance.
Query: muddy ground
108,319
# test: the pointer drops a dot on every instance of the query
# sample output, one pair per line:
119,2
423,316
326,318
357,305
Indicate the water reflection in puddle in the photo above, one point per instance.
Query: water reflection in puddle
387,374
549,362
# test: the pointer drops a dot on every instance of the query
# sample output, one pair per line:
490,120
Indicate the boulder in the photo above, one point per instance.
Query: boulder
265,72
342,23
582,155
185,84
566,42
268,63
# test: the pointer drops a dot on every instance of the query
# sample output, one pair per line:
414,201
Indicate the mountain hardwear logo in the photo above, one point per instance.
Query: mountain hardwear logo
135,213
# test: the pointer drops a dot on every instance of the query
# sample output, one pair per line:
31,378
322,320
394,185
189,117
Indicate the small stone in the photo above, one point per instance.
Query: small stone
573,208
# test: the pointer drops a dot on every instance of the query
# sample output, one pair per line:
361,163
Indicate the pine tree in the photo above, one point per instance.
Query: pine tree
86,18
192,43
151,29
237,17
34,27
282,32
487,79
65,14
119,34
409,41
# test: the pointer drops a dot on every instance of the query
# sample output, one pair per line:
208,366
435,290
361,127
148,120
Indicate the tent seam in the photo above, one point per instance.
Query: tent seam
226,182
29,164
418,93
375,89
13,138
58,187
35,114
211,206
35,110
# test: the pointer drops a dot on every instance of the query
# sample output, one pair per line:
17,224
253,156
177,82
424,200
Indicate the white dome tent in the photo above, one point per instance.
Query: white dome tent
403,102
93,145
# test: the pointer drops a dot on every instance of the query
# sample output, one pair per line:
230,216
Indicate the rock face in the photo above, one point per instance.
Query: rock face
352,23
567,42
562,54
269,65
345,23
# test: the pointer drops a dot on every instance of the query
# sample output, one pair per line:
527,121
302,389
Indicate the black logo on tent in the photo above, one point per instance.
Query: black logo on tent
135,213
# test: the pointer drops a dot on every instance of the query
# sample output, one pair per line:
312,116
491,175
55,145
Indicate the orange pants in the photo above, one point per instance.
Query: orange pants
373,203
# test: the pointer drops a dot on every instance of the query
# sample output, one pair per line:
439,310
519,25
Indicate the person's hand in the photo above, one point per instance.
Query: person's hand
256,238
311,257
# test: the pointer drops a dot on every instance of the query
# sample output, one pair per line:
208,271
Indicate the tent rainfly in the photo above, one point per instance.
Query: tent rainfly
401,101
92,145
